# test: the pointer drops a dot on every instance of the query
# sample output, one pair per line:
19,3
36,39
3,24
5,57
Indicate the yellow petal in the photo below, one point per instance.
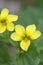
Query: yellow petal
20,30
30,29
4,13
10,26
2,28
25,44
35,35
12,18
14,36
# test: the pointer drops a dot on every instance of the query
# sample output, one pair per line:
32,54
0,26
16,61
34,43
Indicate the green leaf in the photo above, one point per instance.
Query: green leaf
4,56
41,55
27,58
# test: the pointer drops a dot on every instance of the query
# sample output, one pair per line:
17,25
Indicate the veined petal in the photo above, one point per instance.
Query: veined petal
25,44
14,36
30,29
10,26
20,30
2,28
12,18
4,13
35,35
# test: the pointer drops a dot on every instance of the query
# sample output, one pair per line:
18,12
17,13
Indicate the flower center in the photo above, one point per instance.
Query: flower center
3,22
26,37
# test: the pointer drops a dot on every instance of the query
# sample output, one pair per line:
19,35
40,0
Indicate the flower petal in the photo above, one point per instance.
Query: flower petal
4,13
2,28
10,26
25,44
30,29
15,37
12,18
20,30
35,35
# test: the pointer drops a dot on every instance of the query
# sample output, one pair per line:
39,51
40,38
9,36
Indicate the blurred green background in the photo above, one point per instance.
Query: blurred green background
29,12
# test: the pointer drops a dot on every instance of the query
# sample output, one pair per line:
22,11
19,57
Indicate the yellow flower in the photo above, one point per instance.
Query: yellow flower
24,35
6,20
